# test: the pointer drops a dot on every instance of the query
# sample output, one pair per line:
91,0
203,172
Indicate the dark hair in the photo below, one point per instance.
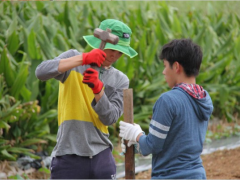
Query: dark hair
185,52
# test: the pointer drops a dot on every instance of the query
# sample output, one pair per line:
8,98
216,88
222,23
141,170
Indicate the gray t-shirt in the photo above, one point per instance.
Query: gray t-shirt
83,123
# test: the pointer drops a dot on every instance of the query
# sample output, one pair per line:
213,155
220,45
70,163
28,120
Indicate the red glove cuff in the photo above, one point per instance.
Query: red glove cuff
98,87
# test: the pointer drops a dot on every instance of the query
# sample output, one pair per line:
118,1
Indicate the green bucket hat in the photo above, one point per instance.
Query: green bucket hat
121,30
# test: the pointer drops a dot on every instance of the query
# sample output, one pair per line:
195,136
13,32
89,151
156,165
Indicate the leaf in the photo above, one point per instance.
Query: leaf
4,125
49,114
9,110
51,137
40,5
7,155
35,23
237,48
33,141
45,45
26,94
6,69
13,25
32,48
45,170
13,43
19,150
61,42
17,176
20,80
226,45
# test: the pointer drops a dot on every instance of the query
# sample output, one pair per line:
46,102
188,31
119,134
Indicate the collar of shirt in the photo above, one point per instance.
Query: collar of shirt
194,90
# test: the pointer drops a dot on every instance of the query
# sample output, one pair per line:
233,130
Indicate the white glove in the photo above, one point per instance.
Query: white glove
123,146
136,147
129,132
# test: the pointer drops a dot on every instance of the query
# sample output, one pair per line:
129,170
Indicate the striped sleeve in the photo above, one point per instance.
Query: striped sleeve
158,130
163,114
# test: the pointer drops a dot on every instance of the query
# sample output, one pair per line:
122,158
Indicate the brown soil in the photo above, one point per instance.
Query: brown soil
224,164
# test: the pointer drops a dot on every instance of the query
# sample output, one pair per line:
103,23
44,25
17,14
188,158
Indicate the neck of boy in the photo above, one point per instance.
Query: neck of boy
189,81
106,67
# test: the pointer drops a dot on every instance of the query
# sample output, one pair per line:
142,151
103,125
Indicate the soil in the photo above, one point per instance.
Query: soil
224,164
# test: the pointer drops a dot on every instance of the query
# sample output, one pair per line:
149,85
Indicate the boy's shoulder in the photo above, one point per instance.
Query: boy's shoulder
173,93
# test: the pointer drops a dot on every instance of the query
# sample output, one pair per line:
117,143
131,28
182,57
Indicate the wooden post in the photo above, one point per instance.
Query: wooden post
128,117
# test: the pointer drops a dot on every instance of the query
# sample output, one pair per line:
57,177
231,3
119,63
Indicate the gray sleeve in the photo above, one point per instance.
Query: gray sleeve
49,69
110,107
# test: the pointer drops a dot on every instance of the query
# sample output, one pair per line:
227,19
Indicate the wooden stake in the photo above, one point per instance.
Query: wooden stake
128,117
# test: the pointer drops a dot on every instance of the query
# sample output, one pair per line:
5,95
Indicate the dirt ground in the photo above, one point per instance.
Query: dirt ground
224,164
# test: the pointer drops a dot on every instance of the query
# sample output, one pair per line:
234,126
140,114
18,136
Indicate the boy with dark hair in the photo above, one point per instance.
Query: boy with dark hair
180,117
184,51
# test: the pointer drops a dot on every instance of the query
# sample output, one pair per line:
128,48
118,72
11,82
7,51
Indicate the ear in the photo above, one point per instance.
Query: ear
177,67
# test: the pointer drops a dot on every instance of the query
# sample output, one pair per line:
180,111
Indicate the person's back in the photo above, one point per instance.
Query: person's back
180,117
183,145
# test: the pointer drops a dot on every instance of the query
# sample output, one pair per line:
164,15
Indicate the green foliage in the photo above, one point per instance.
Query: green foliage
45,172
222,131
31,32
17,176
22,129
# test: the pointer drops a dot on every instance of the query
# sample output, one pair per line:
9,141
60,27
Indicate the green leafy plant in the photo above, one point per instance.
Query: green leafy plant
22,130
31,32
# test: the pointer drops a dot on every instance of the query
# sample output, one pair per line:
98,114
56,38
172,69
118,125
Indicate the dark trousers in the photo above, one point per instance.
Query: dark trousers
100,166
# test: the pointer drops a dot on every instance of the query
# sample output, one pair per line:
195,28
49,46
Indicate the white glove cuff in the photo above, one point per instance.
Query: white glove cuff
137,132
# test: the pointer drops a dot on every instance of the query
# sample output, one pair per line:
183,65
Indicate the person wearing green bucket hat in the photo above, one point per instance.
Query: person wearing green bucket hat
90,99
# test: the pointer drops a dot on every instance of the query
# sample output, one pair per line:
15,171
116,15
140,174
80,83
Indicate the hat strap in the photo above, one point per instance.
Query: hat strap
123,43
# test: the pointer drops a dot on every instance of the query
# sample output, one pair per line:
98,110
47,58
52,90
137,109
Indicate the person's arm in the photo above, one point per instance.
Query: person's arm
163,114
130,132
98,96
158,129
108,101
94,57
138,137
69,63
110,106
49,69
58,66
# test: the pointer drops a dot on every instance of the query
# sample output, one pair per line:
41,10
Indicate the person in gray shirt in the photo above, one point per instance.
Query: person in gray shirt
90,99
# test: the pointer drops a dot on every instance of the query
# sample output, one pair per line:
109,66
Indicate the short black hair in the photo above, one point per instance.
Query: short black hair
185,52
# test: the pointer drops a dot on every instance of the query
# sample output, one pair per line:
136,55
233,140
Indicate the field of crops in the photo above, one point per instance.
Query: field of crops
31,32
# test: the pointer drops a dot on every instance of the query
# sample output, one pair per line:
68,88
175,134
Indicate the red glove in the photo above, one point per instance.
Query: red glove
91,79
94,57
